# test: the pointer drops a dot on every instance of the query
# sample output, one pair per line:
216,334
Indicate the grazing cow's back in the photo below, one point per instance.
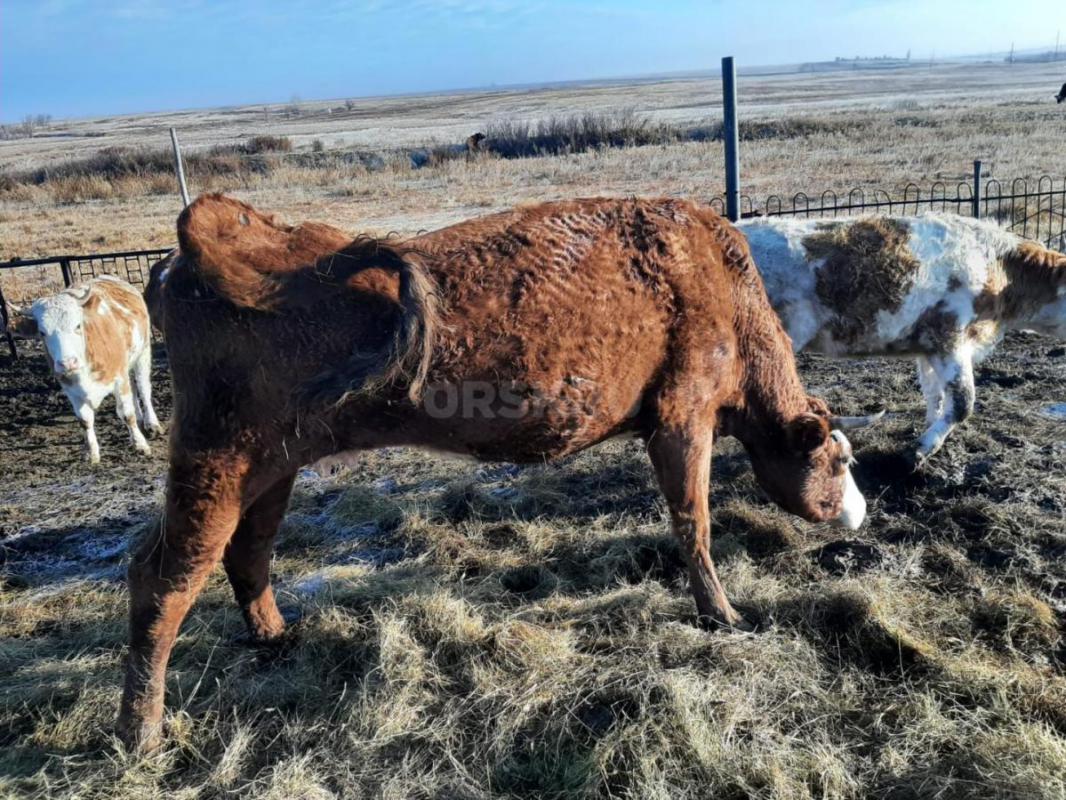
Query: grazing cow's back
940,287
95,335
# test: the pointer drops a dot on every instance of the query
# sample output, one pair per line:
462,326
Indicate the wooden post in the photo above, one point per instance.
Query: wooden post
977,189
730,132
179,168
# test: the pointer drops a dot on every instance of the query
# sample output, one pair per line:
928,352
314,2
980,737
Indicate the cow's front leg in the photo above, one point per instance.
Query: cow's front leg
932,390
83,410
955,373
682,464
203,507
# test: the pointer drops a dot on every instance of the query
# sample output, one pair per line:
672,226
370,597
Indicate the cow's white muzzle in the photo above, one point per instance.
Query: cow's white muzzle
854,505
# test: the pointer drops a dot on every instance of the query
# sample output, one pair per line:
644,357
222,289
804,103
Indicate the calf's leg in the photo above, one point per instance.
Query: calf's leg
954,371
126,409
247,561
87,417
142,380
683,467
203,507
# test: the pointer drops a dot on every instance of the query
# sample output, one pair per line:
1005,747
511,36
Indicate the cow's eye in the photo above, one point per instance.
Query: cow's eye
77,328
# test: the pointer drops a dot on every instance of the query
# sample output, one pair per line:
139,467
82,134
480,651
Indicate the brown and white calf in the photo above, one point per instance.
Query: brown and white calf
939,287
522,336
96,339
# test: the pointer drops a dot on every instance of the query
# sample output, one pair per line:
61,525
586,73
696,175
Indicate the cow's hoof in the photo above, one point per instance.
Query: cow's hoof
141,738
916,461
154,431
734,622
273,639
741,624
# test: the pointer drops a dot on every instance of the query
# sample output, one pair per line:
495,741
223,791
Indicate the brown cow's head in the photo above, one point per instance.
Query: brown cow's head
805,470
157,278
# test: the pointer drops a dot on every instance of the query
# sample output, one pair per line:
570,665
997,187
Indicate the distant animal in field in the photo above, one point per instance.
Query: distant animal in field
940,287
1061,95
523,336
473,143
97,342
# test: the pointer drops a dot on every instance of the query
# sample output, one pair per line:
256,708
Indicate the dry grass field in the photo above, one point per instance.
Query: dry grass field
484,631
871,130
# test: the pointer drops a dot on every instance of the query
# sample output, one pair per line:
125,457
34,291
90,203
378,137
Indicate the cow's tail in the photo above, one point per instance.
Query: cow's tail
406,357
246,258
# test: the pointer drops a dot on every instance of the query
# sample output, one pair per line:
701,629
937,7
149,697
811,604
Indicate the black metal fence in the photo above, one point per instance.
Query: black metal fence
1033,208
132,266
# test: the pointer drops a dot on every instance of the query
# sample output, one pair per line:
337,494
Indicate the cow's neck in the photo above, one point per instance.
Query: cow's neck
771,393
1031,280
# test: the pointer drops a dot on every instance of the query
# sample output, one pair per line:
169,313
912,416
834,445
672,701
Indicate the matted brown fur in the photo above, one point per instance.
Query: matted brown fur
581,320
1021,282
868,268
113,310
256,262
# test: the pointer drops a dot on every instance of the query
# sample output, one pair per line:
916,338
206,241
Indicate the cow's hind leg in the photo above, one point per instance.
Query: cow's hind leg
166,573
142,381
682,462
955,372
247,561
127,412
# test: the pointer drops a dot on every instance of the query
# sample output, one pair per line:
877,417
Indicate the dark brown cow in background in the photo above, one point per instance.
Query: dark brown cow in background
522,336
473,143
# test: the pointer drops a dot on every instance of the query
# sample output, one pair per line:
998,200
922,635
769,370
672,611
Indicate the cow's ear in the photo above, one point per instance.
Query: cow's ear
22,324
807,432
817,406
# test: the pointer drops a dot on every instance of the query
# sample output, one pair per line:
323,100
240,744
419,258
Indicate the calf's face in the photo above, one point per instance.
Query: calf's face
60,322
807,472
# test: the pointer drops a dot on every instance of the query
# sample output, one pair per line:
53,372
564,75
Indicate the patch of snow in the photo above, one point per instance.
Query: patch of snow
1055,411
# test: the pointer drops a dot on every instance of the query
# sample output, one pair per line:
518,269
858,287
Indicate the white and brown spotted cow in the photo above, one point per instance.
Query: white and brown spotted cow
940,287
95,335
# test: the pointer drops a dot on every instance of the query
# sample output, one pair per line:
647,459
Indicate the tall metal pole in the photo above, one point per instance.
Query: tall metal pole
179,168
732,139
6,320
977,189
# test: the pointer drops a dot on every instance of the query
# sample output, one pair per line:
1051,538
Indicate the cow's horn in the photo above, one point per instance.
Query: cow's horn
849,423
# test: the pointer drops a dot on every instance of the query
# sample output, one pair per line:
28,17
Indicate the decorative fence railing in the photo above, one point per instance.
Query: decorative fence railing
1033,208
131,266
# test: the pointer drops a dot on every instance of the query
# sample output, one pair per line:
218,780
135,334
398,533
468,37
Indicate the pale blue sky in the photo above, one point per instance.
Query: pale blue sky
93,57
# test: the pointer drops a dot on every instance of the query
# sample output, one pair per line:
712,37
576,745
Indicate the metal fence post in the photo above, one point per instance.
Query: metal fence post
977,189
6,320
179,168
731,136
68,276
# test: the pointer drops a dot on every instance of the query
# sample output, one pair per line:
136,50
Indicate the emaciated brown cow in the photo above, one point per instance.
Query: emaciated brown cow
522,336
